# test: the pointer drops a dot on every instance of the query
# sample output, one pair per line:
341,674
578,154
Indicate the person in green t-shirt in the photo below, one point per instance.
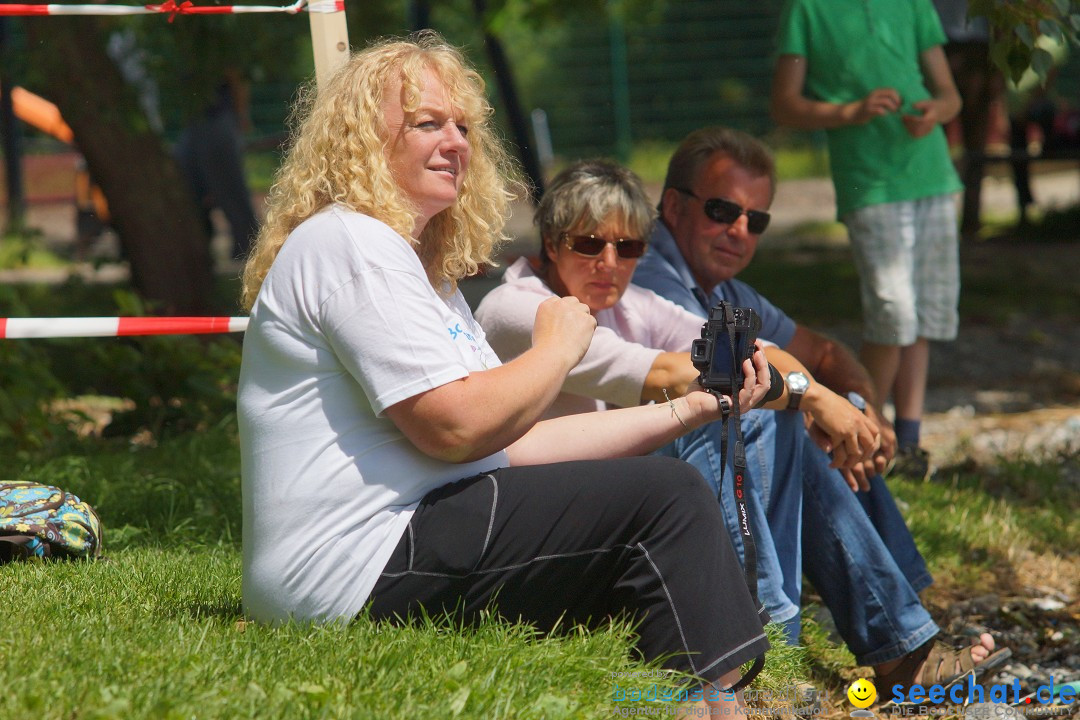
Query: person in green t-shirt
873,74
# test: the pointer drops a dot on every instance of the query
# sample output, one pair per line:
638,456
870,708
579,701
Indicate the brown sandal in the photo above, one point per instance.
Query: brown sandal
935,663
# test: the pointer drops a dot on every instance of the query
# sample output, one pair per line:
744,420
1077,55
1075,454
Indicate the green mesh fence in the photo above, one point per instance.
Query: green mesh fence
624,74
698,62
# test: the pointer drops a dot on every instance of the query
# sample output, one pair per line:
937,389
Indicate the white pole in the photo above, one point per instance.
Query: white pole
329,43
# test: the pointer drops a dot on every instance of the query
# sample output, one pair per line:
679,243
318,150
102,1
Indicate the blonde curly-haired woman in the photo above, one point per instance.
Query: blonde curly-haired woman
391,461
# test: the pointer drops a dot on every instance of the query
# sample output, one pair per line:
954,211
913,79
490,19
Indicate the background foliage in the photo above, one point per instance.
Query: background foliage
1016,26
680,64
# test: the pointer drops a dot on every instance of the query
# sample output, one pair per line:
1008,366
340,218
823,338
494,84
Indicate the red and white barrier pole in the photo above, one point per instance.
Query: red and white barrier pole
117,326
171,8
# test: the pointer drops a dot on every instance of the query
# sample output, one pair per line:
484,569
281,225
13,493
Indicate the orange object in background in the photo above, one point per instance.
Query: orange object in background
88,196
91,208
38,112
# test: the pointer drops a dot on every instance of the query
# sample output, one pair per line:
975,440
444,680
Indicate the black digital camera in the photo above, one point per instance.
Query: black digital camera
721,372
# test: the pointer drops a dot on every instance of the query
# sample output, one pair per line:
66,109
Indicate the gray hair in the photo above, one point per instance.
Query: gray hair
700,146
587,193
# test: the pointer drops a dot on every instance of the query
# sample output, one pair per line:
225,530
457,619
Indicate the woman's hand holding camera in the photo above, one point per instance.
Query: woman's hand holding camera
706,407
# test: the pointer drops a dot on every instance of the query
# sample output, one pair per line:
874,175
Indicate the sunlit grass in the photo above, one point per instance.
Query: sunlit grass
157,633
650,160
974,524
155,629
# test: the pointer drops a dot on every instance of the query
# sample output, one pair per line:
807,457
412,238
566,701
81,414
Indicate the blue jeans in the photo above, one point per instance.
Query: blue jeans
772,505
862,560
854,547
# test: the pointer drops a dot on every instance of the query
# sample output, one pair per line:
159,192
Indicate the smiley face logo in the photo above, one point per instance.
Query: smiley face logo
862,693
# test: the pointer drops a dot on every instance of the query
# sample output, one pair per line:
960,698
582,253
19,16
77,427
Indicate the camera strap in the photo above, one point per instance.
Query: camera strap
738,488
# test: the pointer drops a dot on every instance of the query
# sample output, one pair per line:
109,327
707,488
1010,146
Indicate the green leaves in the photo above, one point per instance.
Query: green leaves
1016,30
1041,62
1052,30
1024,33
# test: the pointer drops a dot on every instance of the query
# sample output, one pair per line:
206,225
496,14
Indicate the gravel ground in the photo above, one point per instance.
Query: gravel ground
996,391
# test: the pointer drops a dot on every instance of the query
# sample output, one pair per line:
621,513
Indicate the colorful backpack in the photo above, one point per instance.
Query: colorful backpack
44,521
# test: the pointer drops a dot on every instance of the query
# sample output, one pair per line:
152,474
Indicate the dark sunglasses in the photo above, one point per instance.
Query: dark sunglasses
591,245
725,211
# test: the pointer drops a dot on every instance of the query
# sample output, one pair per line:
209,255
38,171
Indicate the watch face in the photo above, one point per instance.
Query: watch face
797,382
857,400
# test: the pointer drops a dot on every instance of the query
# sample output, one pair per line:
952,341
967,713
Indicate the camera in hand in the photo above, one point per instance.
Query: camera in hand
721,370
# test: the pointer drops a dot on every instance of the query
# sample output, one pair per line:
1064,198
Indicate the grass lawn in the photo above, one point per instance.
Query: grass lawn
155,629
155,632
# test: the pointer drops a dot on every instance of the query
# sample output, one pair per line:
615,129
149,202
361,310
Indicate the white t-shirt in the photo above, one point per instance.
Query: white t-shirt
346,324
629,336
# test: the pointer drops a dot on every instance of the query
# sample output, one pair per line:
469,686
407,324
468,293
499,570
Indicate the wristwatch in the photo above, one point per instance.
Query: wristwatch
797,383
858,401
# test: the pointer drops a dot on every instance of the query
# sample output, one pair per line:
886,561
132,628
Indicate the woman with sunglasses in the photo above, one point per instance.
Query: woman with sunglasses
391,465
592,222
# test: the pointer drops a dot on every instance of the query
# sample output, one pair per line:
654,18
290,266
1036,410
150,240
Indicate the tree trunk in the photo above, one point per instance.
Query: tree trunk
519,126
149,203
12,142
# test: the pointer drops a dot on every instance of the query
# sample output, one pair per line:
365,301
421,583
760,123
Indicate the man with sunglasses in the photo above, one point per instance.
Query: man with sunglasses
856,548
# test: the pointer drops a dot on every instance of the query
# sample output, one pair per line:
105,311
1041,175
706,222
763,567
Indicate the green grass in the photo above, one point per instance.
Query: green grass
831,664
260,167
820,286
154,633
649,159
157,633
793,163
814,286
154,630
973,524
999,530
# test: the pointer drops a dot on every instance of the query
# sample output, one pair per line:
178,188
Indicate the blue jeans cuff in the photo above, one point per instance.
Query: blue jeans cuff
921,582
783,613
901,647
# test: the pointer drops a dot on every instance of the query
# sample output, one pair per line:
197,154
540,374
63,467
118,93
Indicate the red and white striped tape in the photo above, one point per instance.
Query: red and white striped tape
117,326
172,9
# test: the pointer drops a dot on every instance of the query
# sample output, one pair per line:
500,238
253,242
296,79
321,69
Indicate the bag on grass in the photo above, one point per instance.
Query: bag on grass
45,522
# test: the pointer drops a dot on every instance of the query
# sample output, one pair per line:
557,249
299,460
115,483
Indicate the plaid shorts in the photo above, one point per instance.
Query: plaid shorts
907,256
